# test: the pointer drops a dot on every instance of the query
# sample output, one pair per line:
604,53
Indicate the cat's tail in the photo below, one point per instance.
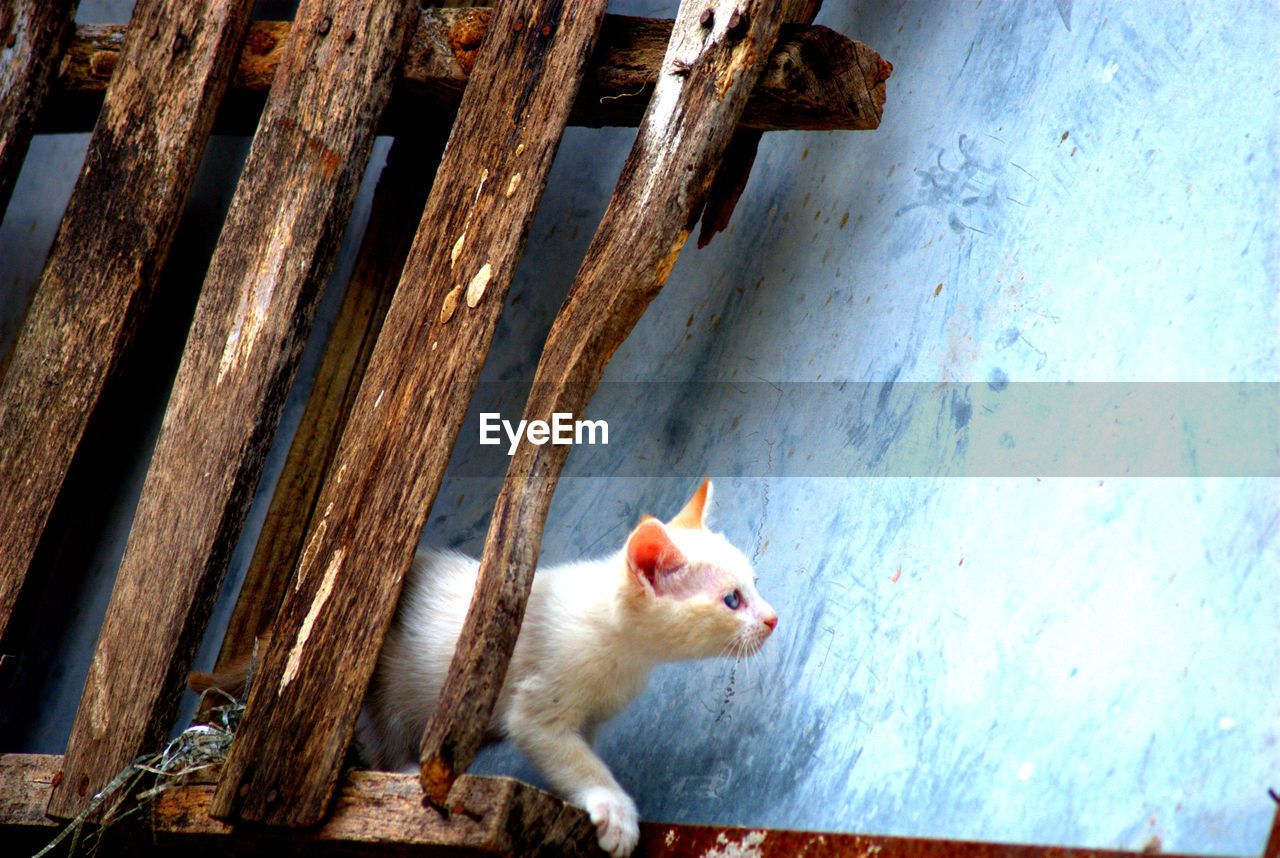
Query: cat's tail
229,685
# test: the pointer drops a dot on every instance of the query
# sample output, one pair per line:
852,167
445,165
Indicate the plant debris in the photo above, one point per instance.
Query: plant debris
127,795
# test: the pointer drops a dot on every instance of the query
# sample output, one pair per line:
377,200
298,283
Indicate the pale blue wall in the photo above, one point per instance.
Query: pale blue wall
997,622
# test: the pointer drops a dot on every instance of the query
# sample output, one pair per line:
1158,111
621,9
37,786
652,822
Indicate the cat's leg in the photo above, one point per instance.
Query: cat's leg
568,761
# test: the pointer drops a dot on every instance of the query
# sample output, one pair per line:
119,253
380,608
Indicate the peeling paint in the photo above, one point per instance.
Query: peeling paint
475,289
748,847
457,249
512,185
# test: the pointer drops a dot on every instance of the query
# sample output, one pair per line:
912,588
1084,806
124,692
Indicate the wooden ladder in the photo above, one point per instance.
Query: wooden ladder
397,377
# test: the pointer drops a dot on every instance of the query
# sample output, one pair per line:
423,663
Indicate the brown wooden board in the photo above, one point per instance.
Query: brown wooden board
411,404
375,813
716,52
33,35
252,319
815,78
397,204
176,58
380,814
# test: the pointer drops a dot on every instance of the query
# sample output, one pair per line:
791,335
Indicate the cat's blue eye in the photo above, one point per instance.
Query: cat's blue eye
733,600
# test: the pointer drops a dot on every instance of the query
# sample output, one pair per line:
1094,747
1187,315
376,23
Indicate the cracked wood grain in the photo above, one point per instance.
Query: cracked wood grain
707,74
106,258
397,204
411,404
814,79
252,319
33,36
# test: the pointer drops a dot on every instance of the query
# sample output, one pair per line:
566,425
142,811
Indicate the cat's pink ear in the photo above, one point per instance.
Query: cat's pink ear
694,514
651,555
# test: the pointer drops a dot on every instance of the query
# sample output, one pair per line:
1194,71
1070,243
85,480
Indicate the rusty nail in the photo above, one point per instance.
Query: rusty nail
737,23
546,29
325,24
708,18
349,36
272,796
244,791
518,24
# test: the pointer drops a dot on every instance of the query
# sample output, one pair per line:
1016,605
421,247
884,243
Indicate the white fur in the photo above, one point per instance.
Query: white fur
591,634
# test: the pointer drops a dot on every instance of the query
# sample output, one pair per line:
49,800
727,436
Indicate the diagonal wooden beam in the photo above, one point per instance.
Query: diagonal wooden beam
34,34
716,51
106,258
412,401
740,155
397,204
814,79
252,319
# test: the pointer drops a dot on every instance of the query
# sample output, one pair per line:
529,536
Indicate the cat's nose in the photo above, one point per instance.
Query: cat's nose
771,621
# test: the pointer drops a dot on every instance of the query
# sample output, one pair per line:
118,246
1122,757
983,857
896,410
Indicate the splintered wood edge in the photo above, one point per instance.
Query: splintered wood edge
486,814
377,811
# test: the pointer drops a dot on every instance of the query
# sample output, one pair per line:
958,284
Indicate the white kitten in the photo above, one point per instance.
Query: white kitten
591,634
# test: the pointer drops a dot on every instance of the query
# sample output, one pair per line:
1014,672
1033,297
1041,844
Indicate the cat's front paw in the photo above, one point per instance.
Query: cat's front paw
615,817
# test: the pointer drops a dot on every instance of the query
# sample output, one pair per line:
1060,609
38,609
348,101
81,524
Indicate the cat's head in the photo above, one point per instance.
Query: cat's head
691,590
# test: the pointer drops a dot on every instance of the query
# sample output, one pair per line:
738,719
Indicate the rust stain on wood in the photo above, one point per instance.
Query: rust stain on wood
259,41
466,36
743,58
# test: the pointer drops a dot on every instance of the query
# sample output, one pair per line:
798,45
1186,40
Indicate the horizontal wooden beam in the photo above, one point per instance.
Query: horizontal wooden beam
381,814
816,79
376,813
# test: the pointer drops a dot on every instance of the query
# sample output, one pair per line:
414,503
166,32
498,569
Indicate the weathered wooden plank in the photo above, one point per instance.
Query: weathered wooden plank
410,407
615,90
106,257
715,54
33,36
381,814
740,155
398,200
375,813
252,319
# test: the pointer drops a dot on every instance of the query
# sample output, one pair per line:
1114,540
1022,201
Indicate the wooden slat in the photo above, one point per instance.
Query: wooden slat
714,57
740,155
816,79
379,814
375,813
33,35
397,205
106,257
411,404
252,319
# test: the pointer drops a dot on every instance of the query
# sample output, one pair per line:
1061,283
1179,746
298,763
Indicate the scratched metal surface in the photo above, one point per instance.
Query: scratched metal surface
995,625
